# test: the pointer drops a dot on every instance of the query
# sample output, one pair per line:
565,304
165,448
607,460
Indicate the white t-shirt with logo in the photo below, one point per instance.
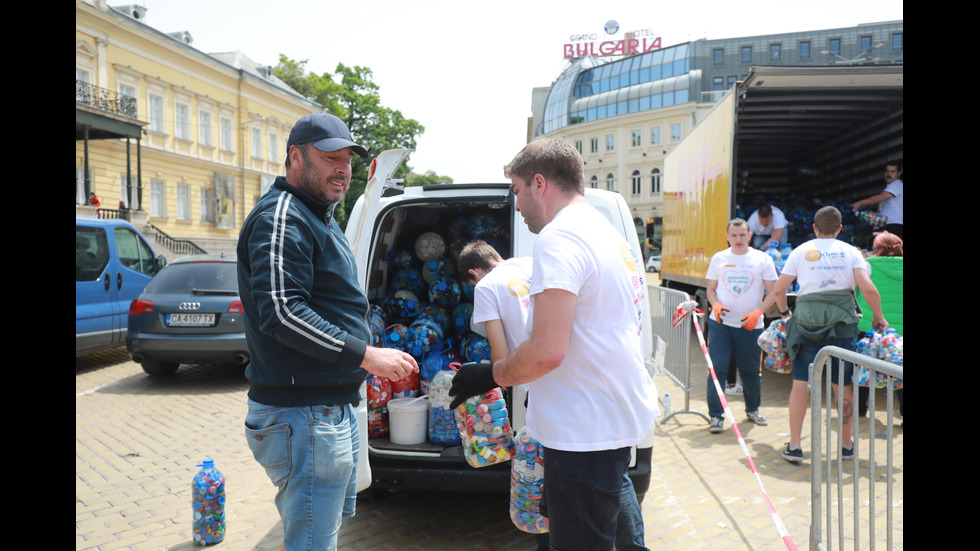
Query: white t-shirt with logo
740,280
601,396
824,264
505,294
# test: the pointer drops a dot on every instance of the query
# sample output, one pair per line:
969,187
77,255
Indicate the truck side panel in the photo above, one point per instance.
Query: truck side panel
698,195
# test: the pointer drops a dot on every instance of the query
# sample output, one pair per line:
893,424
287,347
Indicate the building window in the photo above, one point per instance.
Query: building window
578,146
636,138
225,134
156,113
655,136
158,199
257,143
732,80
675,133
183,202
182,122
775,52
655,181
207,204
127,90
204,127
594,145
273,148
594,182
898,42
805,50
610,142
834,46
610,182
865,43
746,54
637,182
127,192
719,56
717,83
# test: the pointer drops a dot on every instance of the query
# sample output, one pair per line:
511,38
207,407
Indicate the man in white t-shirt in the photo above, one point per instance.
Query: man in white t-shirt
890,201
768,225
825,314
738,278
591,397
502,305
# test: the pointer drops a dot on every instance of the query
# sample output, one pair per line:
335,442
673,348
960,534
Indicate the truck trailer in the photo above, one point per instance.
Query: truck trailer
796,137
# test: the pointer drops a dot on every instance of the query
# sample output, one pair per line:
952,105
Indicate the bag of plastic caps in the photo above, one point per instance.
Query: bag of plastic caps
883,345
526,484
484,427
772,341
378,395
442,423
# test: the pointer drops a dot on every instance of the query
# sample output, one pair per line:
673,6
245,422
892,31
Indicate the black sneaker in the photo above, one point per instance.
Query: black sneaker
847,453
793,455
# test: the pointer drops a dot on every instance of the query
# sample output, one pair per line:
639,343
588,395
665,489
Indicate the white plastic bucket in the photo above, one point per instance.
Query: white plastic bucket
408,420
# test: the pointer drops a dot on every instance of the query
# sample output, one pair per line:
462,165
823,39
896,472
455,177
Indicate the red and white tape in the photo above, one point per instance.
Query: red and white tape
679,314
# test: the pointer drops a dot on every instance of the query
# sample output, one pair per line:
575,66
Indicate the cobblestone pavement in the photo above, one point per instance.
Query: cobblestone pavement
138,441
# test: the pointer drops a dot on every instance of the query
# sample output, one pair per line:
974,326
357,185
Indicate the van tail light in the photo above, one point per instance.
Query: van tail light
236,308
138,307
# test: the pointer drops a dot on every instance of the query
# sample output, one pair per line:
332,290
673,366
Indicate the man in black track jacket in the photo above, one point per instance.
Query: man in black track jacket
307,333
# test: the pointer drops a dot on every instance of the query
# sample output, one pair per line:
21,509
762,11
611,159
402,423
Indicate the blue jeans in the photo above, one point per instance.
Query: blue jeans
808,352
583,492
722,342
310,454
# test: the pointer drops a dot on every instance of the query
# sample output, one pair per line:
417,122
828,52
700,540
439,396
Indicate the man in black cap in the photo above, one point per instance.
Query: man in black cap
307,333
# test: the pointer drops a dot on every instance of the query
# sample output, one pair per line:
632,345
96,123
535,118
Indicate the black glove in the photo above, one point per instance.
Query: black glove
472,379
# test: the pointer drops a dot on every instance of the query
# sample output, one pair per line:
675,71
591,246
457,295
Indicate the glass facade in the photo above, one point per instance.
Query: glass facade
586,92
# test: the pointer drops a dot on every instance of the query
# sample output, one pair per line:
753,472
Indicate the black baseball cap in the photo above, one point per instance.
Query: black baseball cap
325,132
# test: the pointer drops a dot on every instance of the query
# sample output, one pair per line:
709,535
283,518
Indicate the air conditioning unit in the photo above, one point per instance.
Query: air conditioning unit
182,36
135,11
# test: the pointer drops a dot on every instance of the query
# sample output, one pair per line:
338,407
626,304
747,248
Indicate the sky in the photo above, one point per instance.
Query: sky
466,70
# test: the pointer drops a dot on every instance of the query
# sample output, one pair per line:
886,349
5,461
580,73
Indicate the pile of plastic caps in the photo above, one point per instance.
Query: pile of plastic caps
526,484
884,345
772,341
426,311
484,428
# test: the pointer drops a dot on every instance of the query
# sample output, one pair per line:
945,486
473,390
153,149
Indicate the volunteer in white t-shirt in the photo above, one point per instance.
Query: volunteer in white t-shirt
591,397
768,225
827,271
738,278
891,201
502,305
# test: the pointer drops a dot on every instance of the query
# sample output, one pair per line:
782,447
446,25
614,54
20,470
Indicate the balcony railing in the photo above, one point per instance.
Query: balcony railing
107,100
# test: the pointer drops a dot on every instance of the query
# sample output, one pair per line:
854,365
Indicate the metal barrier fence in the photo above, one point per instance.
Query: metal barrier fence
677,364
861,510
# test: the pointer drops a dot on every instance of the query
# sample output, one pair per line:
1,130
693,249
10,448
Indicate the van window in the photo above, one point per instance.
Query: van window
133,252
91,253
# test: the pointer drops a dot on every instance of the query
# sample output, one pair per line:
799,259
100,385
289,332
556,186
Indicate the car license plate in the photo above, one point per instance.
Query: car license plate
190,320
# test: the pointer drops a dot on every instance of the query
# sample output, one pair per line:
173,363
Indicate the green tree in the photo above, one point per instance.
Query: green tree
355,99
428,179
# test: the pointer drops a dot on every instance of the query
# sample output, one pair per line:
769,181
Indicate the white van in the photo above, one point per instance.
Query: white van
389,218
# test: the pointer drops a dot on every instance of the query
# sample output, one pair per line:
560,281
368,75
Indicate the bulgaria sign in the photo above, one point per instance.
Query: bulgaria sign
637,42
